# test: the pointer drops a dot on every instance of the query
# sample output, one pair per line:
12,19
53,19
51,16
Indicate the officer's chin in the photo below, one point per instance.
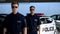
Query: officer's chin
14,12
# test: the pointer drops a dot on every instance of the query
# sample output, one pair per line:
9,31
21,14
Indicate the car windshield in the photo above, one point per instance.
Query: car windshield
45,20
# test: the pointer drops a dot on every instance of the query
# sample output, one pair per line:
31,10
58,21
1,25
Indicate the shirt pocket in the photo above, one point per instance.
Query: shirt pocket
19,25
19,22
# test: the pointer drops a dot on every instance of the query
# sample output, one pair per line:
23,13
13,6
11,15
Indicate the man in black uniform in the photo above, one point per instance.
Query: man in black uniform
32,22
14,22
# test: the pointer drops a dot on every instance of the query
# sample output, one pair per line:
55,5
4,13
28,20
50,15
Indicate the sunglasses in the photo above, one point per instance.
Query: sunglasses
14,7
31,9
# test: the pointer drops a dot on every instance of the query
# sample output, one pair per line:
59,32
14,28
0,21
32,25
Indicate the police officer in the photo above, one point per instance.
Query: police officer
14,23
32,22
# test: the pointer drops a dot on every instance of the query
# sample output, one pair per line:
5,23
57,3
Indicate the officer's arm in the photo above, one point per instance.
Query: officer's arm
25,30
38,27
25,27
4,30
4,27
4,24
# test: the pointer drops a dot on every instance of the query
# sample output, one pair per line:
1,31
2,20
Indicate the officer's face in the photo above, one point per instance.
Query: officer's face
15,8
32,10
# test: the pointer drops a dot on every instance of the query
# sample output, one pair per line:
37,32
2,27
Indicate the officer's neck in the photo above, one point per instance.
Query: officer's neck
32,14
14,13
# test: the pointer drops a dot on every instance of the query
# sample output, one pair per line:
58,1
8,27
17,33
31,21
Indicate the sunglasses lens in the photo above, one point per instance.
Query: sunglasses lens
14,7
31,9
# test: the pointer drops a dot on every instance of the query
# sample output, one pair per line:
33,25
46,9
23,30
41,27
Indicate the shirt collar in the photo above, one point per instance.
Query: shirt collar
15,14
31,15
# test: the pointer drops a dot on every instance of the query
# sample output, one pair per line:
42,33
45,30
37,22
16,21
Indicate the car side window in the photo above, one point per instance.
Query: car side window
54,17
46,20
58,17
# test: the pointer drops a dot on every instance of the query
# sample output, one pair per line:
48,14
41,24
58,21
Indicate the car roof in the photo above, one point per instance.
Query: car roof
56,14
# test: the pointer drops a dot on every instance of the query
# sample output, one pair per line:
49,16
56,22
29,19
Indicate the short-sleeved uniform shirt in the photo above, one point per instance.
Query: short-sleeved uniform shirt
14,23
32,23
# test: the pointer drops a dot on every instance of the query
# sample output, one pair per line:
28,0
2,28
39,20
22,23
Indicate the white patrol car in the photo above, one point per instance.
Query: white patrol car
47,26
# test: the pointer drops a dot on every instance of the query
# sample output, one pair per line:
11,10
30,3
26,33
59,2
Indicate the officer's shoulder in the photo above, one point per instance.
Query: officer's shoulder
8,15
21,15
36,16
27,15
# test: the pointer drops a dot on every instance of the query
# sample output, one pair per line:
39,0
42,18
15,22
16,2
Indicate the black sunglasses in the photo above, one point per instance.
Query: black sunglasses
31,9
14,7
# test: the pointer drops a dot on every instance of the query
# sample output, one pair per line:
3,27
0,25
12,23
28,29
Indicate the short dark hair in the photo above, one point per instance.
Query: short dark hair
32,6
14,2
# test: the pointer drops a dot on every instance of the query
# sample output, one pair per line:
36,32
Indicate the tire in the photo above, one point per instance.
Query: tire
56,32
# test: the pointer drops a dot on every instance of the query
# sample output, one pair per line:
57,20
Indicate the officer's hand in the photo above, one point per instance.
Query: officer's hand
4,31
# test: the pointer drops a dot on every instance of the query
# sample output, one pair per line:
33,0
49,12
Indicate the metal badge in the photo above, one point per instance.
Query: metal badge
18,21
35,19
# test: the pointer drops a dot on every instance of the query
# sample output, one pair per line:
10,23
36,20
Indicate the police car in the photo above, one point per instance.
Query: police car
47,26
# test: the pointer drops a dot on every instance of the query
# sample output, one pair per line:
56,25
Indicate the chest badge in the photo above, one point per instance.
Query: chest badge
18,21
35,19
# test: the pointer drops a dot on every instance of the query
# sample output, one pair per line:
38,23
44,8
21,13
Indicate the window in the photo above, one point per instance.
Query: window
54,17
46,20
58,17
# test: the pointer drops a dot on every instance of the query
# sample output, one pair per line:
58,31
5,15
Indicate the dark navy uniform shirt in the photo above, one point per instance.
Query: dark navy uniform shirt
14,23
32,23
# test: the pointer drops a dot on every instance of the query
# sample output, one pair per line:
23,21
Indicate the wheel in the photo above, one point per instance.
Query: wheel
56,32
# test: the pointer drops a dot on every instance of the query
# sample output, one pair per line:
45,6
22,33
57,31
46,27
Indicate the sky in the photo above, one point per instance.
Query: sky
48,8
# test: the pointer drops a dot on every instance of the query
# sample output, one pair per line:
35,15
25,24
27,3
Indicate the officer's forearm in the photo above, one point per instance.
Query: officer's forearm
25,30
38,29
4,30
